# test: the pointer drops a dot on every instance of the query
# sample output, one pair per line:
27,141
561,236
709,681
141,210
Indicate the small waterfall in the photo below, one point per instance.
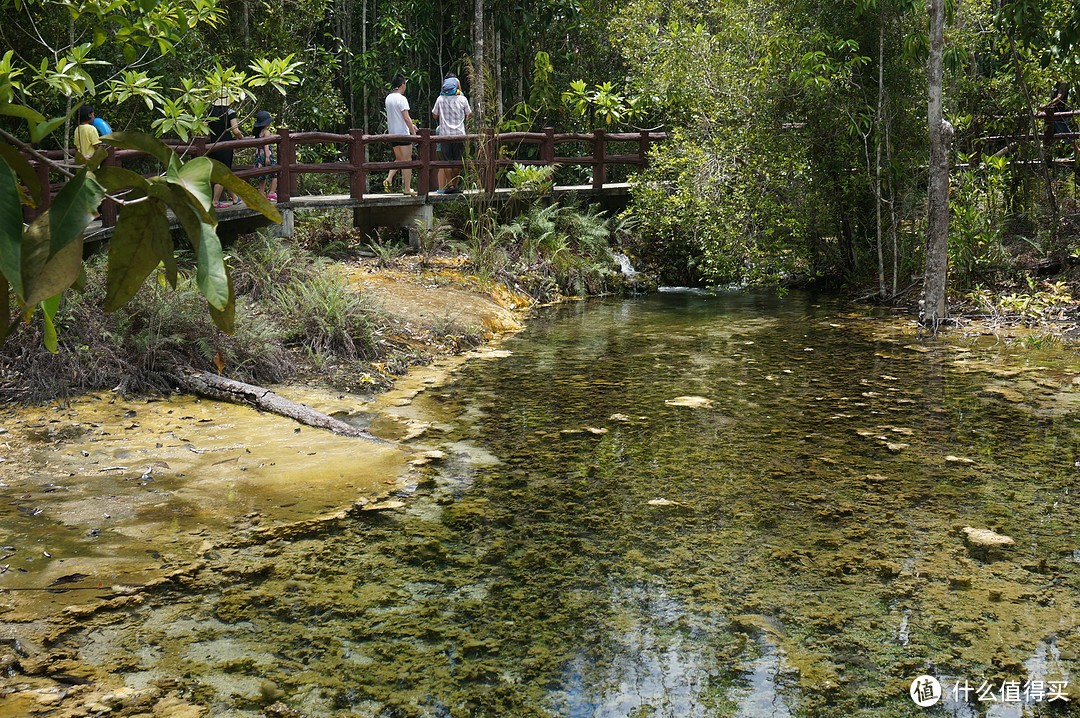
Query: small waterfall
624,264
637,282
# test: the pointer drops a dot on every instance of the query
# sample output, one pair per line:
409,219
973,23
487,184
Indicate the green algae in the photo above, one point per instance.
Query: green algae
797,565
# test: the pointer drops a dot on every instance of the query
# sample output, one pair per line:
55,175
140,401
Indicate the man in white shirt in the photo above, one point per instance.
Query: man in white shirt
398,122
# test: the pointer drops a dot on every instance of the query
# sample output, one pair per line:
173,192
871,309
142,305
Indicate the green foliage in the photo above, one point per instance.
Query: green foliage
43,260
531,180
556,250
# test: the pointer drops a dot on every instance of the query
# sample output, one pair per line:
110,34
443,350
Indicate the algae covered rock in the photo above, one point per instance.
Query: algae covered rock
984,543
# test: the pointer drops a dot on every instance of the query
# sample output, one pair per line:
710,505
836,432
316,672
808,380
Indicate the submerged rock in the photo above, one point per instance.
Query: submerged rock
694,402
984,543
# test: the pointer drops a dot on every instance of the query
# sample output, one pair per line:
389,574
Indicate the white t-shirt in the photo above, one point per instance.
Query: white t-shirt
396,103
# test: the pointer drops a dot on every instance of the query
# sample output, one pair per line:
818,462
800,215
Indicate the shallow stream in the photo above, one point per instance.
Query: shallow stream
680,505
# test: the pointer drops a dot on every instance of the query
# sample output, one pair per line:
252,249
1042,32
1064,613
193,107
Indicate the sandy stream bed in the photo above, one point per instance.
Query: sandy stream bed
106,497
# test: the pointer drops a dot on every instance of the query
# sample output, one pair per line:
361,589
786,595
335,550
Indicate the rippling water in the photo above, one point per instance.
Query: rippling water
686,504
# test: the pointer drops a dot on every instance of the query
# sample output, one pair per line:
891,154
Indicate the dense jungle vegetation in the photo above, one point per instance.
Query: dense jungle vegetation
798,130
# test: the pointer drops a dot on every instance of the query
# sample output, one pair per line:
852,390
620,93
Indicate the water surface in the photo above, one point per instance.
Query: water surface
789,544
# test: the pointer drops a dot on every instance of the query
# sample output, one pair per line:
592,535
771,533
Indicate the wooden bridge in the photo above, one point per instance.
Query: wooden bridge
489,154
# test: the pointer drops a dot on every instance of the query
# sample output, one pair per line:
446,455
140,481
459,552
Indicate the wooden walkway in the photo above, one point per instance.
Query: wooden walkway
489,157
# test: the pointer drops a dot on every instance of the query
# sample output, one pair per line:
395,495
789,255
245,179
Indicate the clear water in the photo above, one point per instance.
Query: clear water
791,546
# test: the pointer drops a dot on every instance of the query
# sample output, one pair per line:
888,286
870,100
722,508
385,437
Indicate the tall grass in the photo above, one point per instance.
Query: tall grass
294,311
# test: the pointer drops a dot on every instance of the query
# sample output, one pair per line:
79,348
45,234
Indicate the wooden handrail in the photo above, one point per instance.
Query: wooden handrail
354,163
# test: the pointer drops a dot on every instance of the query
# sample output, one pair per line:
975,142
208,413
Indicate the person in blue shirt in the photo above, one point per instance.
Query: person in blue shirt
101,126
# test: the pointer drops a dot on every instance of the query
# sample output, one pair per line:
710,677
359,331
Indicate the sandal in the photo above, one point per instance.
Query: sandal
222,205
386,186
272,196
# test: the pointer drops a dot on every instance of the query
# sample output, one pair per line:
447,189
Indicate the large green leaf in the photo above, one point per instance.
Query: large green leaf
211,275
194,177
115,179
34,255
72,209
49,308
225,319
40,131
26,113
143,142
23,169
11,228
57,274
252,197
132,251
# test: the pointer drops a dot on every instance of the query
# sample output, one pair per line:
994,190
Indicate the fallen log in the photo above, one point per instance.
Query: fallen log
220,388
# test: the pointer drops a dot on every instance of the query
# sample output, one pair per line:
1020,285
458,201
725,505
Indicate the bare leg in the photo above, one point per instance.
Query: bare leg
403,153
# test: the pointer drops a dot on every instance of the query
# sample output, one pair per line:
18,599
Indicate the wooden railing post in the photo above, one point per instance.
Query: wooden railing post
425,152
643,149
286,158
599,176
108,207
358,171
489,152
547,146
199,147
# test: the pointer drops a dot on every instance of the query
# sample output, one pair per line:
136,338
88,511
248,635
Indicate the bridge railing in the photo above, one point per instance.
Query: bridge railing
491,152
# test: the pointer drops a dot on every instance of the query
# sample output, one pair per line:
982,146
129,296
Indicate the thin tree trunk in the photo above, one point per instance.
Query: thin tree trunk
478,63
498,76
892,204
247,23
363,52
934,308
877,160
1043,161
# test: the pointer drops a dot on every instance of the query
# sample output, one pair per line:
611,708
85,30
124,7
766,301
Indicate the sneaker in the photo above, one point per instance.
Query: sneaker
452,190
272,196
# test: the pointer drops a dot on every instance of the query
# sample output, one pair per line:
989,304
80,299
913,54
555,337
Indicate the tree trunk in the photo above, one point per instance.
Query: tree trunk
498,76
478,63
222,389
934,308
1037,136
877,160
363,53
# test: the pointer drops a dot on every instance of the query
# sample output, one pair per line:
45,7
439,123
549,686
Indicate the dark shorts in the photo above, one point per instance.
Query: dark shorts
452,151
222,156
401,144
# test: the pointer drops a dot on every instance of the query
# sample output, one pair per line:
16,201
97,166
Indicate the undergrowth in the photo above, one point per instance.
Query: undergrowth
294,313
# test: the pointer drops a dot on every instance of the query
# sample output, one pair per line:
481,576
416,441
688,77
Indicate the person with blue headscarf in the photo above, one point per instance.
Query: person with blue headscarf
450,110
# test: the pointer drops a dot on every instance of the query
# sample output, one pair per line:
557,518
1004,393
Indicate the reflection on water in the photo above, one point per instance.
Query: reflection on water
791,546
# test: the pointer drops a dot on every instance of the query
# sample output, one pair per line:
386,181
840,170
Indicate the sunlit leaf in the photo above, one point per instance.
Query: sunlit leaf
211,275
49,308
225,318
253,198
195,176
